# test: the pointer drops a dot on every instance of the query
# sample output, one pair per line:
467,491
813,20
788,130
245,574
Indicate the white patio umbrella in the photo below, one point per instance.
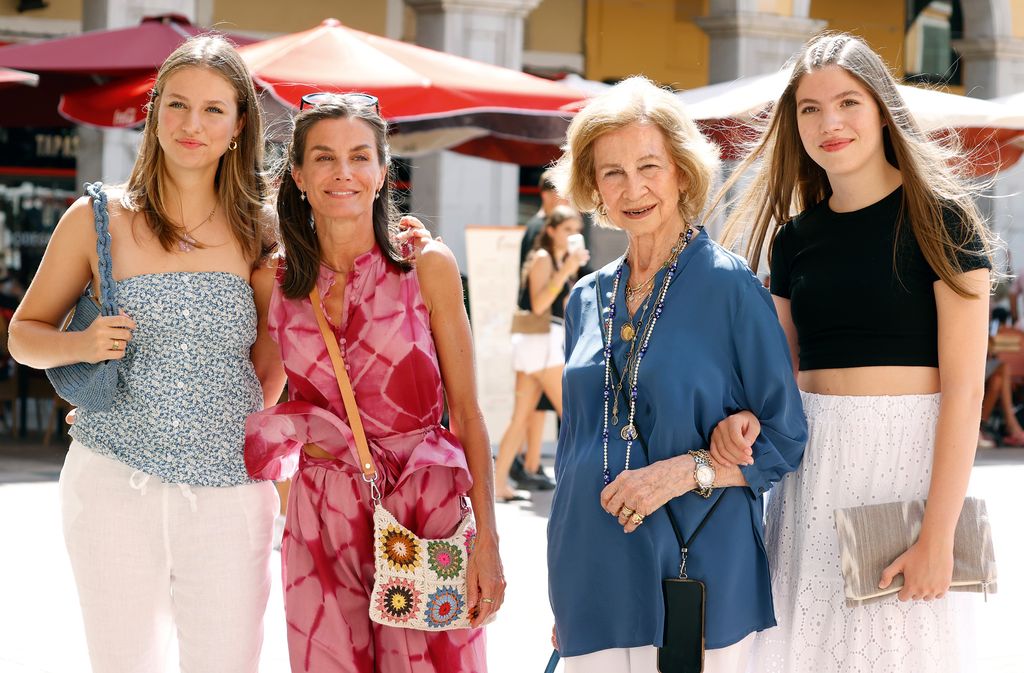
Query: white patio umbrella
1015,101
11,77
934,110
989,128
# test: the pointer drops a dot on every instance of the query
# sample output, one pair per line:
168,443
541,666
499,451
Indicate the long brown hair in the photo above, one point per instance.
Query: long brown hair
295,216
544,241
239,181
788,181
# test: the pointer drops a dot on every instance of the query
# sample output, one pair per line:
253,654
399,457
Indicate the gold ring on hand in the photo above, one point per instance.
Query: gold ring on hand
626,511
637,519
487,600
116,346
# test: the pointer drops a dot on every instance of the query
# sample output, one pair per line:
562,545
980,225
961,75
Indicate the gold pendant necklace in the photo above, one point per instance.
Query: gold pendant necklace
187,243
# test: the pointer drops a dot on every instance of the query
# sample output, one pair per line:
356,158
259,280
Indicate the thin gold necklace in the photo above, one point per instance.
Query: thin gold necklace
644,290
188,243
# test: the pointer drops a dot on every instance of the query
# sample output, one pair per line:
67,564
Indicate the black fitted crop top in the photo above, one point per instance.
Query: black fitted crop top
851,306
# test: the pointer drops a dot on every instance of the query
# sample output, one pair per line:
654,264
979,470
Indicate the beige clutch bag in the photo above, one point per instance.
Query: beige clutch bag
872,536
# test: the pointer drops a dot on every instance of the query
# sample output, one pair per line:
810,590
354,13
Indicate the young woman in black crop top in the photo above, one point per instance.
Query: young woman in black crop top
881,284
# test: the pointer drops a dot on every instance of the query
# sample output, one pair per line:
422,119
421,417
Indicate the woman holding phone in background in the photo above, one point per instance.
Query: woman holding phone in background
548,274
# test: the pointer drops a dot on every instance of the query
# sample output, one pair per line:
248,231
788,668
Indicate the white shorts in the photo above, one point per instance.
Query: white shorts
532,353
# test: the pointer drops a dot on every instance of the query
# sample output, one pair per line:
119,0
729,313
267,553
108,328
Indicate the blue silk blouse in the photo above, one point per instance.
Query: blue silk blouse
716,349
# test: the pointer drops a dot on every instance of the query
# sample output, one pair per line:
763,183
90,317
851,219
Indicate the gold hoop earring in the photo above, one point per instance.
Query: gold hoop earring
233,145
602,210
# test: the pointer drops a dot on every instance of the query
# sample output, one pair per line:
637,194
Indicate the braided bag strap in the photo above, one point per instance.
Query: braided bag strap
108,289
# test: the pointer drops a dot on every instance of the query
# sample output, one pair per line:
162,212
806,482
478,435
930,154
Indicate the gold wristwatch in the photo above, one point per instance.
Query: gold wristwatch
703,472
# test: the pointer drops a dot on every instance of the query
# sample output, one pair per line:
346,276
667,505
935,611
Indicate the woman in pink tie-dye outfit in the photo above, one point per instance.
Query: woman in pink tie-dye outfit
405,338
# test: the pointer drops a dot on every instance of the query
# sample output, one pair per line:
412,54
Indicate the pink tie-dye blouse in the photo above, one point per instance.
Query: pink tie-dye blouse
389,353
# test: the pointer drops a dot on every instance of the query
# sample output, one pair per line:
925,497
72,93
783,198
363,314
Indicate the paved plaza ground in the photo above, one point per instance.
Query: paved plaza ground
41,632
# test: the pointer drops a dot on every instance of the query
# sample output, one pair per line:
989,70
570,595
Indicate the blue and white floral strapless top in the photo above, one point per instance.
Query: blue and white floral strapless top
187,380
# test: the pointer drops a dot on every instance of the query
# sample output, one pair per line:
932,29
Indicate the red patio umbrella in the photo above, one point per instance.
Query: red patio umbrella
117,104
412,82
82,61
434,100
114,52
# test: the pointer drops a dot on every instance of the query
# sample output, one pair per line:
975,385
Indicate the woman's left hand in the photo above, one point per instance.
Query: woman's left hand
926,572
732,440
413,233
485,581
644,490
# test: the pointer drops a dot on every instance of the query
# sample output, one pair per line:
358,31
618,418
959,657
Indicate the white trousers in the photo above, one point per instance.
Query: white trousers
150,557
732,659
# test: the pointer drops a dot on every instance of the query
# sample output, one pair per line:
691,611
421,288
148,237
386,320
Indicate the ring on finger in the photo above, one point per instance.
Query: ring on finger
626,511
637,518
115,345
487,600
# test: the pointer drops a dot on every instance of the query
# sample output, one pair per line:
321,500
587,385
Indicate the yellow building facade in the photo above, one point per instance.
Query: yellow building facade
603,40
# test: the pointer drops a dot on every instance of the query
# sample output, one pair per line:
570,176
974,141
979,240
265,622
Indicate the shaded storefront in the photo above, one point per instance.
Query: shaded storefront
37,184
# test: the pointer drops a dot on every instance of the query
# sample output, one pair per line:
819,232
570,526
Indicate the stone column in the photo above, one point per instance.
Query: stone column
451,191
993,67
745,43
108,155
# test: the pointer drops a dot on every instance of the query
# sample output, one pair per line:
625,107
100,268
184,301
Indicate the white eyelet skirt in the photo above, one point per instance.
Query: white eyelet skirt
861,450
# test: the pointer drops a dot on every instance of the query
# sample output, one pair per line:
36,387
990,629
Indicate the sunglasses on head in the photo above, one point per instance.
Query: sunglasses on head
314,99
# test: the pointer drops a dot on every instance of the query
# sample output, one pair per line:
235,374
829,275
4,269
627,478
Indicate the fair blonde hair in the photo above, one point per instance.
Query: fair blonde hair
635,101
935,174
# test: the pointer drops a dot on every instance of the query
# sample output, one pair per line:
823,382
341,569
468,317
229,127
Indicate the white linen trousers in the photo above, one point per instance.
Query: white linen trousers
150,556
731,659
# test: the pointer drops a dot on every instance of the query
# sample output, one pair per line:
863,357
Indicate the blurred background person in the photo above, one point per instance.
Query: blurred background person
547,276
527,471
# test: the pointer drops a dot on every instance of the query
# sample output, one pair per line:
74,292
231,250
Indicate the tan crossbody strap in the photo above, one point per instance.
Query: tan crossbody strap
345,387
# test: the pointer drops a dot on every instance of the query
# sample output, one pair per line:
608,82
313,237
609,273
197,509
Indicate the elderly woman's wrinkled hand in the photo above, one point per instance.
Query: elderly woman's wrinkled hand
732,440
635,494
485,581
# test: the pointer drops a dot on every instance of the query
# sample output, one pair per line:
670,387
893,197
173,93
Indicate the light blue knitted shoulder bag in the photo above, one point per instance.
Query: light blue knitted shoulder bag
91,385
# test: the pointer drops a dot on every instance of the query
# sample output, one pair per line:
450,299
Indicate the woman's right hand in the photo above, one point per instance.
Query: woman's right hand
106,338
554,637
732,440
576,259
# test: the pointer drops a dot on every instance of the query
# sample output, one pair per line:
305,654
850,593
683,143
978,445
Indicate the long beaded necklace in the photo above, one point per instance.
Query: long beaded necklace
628,432
629,360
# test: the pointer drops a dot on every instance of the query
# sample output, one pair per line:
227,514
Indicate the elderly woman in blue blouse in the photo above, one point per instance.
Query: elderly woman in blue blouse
661,345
